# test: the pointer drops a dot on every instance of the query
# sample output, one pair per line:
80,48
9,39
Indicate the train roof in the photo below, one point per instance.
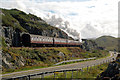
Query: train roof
49,37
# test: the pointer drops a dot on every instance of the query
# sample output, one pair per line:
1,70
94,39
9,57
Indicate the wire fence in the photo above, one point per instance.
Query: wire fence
42,75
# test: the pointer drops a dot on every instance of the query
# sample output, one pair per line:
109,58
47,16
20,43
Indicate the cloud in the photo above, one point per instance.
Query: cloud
64,25
90,18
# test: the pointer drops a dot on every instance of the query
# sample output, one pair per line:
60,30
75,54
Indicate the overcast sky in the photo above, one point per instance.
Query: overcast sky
90,18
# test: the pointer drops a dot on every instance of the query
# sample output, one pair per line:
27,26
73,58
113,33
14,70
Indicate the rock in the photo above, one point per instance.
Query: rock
7,64
111,72
61,54
90,45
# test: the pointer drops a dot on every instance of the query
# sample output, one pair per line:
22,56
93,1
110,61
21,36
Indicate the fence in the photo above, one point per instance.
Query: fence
43,74
76,60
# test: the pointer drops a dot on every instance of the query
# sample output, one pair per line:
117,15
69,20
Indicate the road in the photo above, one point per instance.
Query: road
61,67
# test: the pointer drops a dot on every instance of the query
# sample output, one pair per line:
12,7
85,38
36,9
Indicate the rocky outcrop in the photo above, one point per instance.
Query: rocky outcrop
10,62
111,73
90,45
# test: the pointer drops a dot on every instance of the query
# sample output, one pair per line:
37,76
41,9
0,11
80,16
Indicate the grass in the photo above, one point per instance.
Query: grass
38,67
24,69
41,57
90,73
18,20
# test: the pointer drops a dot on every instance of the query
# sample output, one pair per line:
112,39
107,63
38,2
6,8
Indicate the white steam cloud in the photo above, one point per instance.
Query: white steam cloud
63,25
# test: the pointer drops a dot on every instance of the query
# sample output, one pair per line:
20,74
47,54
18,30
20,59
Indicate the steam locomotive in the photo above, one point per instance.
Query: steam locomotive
37,40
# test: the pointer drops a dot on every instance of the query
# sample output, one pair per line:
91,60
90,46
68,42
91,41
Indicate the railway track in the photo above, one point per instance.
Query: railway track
36,47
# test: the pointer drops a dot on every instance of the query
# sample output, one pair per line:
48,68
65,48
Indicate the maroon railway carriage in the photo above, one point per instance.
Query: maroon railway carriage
37,40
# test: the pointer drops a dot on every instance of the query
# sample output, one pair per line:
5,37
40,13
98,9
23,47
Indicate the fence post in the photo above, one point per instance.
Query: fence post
81,71
91,67
65,73
94,66
54,75
28,77
42,76
78,70
21,78
87,68
25,78
72,74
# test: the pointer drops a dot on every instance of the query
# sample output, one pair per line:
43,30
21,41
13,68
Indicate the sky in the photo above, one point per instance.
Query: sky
88,18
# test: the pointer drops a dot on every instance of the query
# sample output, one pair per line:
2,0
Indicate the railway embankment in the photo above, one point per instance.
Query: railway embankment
17,59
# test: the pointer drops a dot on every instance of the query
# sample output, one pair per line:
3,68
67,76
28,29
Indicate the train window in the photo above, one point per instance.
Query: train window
49,40
31,38
56,41
44,39
37,38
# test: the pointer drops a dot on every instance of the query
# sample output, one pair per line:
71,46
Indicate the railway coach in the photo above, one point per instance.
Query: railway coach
37,41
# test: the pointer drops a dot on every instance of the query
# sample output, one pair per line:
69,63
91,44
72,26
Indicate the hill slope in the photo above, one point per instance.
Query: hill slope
14,22
108,42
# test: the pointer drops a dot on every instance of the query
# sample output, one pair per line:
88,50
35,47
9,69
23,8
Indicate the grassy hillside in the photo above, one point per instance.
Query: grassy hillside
109,42
15,59
22,21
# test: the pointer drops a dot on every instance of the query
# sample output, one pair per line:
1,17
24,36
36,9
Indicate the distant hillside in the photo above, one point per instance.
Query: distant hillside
108,42
14,22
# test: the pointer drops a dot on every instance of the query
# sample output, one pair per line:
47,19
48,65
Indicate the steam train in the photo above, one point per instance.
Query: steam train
37,40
